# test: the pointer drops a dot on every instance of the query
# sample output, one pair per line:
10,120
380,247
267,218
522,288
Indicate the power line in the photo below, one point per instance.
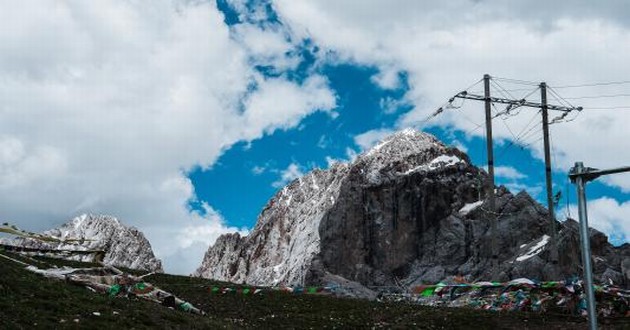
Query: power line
522,135
531,143
597,96
511,102
448,105
517,81
559,98
505,123
609,108
596,84
502,90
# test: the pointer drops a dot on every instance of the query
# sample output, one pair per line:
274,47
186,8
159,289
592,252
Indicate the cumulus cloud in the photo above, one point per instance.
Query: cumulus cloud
258,170
608,216
444,47
292,172
508,172
193,240
107,105
369,139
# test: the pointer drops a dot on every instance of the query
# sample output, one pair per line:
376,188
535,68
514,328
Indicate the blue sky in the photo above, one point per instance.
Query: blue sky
247,175
242,179
182,118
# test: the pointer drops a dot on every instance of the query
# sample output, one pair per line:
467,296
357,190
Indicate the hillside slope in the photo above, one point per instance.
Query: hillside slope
30,301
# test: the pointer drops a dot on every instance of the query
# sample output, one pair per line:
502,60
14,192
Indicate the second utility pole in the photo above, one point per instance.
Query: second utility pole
515,103
550,205
490,185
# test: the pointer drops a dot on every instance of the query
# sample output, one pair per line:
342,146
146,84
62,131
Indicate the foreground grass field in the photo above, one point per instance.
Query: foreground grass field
30,301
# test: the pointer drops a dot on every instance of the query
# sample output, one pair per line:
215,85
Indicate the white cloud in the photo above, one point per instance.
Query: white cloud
258,170
208,231
292,172
106,105
508,172
21,166
351,155
387,78
369,139
444,49
608,216
282,104
268,46
459,145
323,142
445,46
390,105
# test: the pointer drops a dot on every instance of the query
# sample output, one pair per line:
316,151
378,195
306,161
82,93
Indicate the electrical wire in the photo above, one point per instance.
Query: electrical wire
447,105
530,93
517,81
525,133
505,123
597,96
609,108
525,146
520,141
502,90
596,84
559,98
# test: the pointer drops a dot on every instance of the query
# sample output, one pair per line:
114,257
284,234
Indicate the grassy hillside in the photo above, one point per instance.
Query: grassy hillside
30,301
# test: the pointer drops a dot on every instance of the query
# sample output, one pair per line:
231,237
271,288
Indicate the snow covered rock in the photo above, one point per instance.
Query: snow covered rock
280,248
124,246
410,210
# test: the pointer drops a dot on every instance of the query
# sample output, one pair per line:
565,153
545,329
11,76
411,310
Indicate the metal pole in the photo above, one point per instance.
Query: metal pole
586,245
491,207
552,217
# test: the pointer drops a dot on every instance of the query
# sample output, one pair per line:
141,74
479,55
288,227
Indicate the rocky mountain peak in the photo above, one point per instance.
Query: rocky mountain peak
125,246
405,152
402,144
408,211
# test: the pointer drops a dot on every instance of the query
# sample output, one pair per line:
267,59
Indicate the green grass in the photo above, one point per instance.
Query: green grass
29,301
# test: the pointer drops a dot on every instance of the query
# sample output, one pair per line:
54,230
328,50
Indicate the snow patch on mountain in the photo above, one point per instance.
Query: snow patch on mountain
409,150
124,246
287,232
281,247
534,250
467,208
398,214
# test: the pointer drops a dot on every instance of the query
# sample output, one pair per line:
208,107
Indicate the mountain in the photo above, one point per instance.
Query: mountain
124,246
410,210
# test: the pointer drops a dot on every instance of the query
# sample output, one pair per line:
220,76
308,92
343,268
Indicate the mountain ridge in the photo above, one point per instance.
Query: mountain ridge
410,210
124,246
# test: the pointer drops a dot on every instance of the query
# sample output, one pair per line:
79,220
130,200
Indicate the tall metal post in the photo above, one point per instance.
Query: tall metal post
586,244
490,186
552,217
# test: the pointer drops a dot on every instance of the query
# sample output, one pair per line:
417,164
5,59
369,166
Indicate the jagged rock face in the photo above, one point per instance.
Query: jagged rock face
390,215
408,211
286,237
124,246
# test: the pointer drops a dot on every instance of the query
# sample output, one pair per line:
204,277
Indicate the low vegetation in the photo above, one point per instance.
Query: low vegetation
28,301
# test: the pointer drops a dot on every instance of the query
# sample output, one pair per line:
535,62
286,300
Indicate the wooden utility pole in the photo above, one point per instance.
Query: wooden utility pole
490,184
548,178
512,104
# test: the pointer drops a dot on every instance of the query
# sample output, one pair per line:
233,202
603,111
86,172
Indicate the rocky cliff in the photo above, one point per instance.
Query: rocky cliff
408,211
124,246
